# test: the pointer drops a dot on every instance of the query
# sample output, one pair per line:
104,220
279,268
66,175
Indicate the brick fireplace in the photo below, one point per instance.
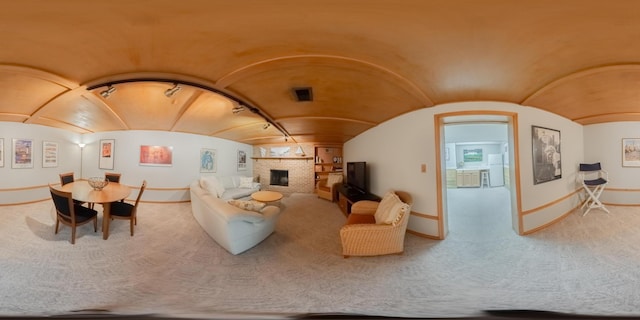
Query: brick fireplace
279,178
300,172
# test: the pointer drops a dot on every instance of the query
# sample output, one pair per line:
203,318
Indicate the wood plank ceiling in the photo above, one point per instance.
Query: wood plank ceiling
366,63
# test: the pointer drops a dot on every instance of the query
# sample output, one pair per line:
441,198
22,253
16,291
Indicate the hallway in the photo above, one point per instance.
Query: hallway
479,213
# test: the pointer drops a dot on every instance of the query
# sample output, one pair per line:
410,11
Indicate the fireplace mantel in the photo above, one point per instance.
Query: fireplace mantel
301,176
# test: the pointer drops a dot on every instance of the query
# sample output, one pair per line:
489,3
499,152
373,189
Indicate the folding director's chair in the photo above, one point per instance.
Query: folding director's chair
594,179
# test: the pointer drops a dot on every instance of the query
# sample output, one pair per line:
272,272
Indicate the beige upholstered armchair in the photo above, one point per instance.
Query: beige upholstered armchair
328,188
375,228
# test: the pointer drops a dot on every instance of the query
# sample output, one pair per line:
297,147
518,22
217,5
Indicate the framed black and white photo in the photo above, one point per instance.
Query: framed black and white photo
208,161
49,154
22,154
546,154
107,148
242,160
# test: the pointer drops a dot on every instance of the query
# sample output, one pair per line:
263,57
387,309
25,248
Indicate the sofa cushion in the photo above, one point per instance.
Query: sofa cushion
388,210
333,179
228,182
355,218
237,193
212,185
246,182
251,205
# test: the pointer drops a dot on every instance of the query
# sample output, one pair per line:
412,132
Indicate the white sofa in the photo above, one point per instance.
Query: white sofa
230,187
234,229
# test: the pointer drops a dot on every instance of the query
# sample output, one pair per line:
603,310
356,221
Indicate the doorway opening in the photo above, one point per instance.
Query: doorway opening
478,194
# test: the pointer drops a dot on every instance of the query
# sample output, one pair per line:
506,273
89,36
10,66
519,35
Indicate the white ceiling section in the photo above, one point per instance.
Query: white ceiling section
366,62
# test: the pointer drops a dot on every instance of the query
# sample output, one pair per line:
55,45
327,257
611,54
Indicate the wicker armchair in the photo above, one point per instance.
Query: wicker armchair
328,188
361,236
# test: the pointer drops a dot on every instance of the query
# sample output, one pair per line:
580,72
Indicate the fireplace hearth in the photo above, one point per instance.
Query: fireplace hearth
279,178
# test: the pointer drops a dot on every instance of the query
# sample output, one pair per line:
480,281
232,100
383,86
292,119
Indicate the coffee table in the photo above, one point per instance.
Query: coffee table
266,196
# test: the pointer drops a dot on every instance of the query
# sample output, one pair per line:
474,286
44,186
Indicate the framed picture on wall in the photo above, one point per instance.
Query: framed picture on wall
1,153
22,154
631,152
208,161
472,155
49,154
546,154
107,148
156,156
242,160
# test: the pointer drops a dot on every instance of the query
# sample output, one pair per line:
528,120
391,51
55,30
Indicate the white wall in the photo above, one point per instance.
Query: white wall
603,143
163,183
394,151
17,185
186,160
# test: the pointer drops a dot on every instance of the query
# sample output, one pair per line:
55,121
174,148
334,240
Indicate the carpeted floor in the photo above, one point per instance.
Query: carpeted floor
586,265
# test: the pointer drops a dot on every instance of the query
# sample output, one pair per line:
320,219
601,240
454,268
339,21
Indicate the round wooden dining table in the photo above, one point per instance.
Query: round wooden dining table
82,191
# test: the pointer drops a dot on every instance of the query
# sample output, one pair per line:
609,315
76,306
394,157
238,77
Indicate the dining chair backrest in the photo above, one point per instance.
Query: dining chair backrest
66,178
69,212
124,210
113,177
142,188
63,203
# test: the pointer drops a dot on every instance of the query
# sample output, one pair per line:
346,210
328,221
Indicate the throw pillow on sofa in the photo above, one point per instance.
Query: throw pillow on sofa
212,185
246,182
388,209
250,205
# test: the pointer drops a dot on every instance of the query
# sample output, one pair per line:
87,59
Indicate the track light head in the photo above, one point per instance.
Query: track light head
173,90
238,109
108,91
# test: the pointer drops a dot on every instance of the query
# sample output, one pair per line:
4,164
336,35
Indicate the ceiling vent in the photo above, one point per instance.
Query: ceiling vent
302,94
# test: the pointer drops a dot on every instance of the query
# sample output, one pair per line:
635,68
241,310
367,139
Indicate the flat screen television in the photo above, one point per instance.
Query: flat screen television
357,176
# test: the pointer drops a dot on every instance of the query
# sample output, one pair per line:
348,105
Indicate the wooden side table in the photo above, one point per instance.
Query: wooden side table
266,196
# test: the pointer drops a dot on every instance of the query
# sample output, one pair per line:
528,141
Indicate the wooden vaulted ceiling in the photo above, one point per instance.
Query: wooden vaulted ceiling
366,62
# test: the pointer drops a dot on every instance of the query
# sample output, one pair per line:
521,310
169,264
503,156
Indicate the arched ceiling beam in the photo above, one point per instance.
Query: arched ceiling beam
186,107
330,119
247,70
577,75
599,94
39,74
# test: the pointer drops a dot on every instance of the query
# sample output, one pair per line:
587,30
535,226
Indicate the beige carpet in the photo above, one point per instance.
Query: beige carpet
587,265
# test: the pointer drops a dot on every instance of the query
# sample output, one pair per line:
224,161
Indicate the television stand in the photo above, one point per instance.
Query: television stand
348,196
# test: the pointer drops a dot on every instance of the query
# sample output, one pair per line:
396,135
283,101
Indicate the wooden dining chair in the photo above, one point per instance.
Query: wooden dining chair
113,177
66,178
127,211
71,213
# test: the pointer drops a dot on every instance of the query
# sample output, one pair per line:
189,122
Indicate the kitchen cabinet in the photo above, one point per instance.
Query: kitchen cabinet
468,178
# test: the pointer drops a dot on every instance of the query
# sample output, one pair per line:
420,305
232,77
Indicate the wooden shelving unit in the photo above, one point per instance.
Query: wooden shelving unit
328,159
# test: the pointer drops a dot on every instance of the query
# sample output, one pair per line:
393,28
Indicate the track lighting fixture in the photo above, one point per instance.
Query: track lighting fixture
238,109
238,104
171,91
108,91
